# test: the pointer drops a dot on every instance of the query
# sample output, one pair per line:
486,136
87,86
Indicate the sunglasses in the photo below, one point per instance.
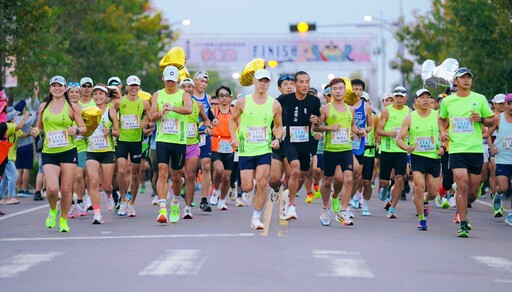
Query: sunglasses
86,86
73,84
286,77
223,95
400,91
463,71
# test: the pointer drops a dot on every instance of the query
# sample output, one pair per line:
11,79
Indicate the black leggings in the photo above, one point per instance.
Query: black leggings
447,173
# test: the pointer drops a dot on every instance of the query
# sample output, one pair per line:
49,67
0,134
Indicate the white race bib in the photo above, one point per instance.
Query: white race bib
256,134
191,130
202,139
225,146
98,141
462,125
356,143
424,144
58,138
341,136
170,126
507,142
235,159
130,122
299,134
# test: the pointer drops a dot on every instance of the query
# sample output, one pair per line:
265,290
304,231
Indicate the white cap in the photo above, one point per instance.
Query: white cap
170,73
386,96
262,73
114,79
202,74
132,80
86,80
366,96
58,79
102,88
187,81
400,90
421,91
499,98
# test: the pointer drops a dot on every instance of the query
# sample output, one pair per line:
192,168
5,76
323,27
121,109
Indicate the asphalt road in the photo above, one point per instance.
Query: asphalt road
218,251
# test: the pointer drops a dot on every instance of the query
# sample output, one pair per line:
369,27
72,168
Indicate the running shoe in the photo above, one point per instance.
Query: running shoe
162,216
122,209
274,196
387,205
187,213
456,218
452,202
175,211
38,196
154,202
463,232
366,212
51,220
426,208
238,202
444,203
97,220
256,224
110,203
335,205
71,212
508,220
309,199
81,210
87,202
325,218
355,203
422,225
497,206
63,225
142,188
349,213
231,194
204,206
316,192
118,205
383,193
222,205
214,198
289,213
391,213
247,198
439,201
344,219
131,211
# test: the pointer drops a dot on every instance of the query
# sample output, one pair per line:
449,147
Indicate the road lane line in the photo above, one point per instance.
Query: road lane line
490,205
176,262
498,263
127,237
267,216
23,262
23,212
334,263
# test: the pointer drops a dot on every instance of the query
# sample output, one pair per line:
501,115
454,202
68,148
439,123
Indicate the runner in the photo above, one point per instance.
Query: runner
169,108
502,149
338,158
192,154
300,112
422,128
392,157
499,107
55,120
466,111
100,156
132,116
250,131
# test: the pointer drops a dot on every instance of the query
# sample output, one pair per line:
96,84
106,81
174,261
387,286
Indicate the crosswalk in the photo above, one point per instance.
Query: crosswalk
23,262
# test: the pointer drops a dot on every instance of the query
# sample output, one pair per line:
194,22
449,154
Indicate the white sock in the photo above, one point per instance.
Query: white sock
365,204
256,214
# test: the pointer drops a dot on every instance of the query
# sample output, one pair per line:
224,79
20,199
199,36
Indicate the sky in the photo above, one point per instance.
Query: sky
223,18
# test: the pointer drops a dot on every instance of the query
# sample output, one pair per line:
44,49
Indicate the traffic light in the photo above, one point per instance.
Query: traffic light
302,27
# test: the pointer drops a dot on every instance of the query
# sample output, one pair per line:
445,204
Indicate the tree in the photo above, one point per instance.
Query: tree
475,32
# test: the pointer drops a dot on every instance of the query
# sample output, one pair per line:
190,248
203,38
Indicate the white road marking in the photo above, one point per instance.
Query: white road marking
490,205
129,237
499,263
335,263
23,262
176,262
23,212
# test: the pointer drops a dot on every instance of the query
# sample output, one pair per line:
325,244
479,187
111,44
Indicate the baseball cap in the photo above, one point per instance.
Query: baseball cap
20,105
187,81
201,74
461,72
421,91
86,80
284,78
313,90
366,96
262,73
58,79
400,90
508,97
11,113
114,81
170,73
386,96
102,88
132,80
499,98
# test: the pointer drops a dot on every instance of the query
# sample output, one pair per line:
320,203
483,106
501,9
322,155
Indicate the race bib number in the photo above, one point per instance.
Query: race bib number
507,143
462,125
130,122
424,144
225,147
299,134
192,130
170,126
98,142
235,159
256,134
57,138
356,143
341,136
202,140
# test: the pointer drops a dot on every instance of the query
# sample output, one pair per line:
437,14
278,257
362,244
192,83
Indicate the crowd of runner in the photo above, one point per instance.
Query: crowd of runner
451,147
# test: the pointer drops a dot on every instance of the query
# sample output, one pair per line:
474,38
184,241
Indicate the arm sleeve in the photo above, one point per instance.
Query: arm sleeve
210,114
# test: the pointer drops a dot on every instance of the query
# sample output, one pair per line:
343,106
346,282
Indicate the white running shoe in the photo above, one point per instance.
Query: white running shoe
122,208
155,200
87,201
289,213
222,205
325,218
349,213
131,211
81,210
110,203
365,212
274,196
247,198
71,212
238,202
452,202
214,198
256,224
187,213
344,219
97,220
231,194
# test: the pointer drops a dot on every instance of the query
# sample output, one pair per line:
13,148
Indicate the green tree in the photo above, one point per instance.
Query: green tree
475,32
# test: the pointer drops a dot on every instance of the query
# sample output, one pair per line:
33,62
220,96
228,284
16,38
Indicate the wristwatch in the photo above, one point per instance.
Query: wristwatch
77,131
482,120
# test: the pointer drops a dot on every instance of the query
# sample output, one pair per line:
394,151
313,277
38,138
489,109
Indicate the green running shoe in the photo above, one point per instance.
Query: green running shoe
463,232
335,205
63,224
51,220
175,213
497,206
